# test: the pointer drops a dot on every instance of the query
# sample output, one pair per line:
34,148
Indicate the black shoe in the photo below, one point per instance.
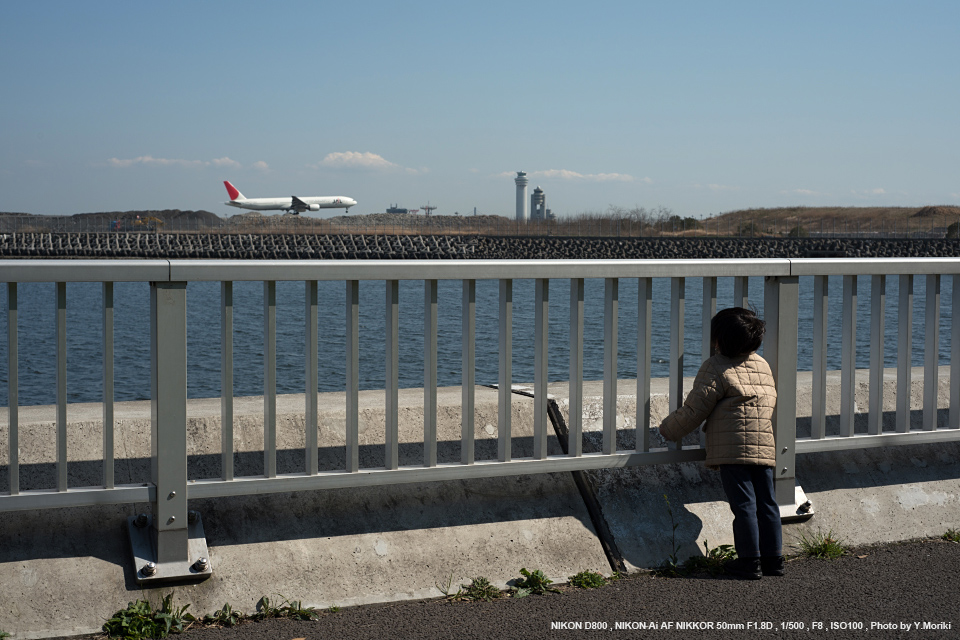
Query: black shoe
772,565
744,568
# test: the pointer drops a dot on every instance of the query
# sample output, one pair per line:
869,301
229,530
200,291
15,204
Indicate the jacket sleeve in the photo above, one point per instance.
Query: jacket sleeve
706,393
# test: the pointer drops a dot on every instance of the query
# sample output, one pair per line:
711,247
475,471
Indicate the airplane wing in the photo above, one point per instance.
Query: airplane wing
299,204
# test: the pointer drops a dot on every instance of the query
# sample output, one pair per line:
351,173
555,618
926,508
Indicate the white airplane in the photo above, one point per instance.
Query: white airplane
291,203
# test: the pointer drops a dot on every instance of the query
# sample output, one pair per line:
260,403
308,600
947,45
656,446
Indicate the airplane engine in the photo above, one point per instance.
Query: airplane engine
314,207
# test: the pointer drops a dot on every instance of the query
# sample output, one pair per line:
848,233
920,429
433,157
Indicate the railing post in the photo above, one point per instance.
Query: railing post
170,545
781,307
168,417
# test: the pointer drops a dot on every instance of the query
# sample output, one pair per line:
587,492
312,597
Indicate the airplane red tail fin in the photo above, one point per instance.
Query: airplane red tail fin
232,191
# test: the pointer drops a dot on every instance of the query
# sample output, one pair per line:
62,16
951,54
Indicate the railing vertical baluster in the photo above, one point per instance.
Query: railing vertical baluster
781,308
468,368
541,330
904,352
954,416
931,352
392,417
505,387
13,384
644,323
311,366
61,343
848,354
352,427
677,304
108,422
818,415
741,291
226,379
878,304
708,310
270,378
611,303
575,426
429,373
168,402
953,419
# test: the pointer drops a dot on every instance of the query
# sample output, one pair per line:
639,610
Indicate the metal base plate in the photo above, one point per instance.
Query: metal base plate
801,509
143,544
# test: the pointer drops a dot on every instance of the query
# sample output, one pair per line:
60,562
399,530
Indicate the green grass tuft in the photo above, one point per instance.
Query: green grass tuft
821,545
952,535
712,561
286,609
587,580
140,620
479,589
533,582
226,616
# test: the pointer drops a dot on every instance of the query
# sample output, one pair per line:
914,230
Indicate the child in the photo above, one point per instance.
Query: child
735,394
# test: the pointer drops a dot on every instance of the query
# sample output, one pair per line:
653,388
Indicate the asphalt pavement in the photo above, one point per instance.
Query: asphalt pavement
903,590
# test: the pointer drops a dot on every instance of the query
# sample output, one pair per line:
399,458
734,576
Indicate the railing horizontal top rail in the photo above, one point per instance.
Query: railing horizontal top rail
253,270
873,266
20,270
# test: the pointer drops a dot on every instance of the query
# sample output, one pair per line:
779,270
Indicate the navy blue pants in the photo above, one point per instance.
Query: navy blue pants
756,516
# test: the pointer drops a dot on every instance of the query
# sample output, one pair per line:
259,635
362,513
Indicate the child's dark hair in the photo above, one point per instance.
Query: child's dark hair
736,331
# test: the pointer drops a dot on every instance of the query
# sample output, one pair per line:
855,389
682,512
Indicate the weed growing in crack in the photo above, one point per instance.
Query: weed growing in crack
711,561
140,620
480,589
821,545
287,609
533,582
226,616
587,580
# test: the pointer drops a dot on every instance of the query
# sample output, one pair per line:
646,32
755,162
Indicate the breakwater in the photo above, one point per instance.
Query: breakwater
419,247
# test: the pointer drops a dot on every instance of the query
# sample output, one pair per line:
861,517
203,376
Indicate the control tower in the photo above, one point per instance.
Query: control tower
538,205
521,181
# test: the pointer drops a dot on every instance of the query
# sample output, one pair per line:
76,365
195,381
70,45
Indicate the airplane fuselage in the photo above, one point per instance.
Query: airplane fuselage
314,203
295,204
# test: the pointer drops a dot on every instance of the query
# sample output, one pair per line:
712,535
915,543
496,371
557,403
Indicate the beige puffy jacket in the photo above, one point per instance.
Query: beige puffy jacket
736,397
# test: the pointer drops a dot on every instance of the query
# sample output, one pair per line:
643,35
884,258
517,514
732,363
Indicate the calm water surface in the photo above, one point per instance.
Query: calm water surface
132,334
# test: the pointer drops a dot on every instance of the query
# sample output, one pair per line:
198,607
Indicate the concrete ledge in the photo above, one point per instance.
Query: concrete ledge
71,567
336,547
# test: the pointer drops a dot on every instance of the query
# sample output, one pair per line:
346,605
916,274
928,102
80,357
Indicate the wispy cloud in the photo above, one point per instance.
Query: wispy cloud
357,161
869,193
150,161
716,187
802,192
260,165
566,174
226,162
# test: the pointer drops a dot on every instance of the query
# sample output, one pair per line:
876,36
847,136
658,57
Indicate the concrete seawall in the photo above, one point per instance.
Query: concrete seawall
432,246
65,571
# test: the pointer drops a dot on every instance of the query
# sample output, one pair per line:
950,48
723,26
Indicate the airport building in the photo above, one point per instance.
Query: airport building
538,201
521,181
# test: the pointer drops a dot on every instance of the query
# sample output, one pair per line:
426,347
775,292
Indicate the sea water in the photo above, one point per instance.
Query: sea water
37,354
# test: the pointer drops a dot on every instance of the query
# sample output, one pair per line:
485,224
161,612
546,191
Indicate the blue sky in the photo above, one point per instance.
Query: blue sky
702,107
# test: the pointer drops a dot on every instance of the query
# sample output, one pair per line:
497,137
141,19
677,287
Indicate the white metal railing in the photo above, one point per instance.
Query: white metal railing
168,279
